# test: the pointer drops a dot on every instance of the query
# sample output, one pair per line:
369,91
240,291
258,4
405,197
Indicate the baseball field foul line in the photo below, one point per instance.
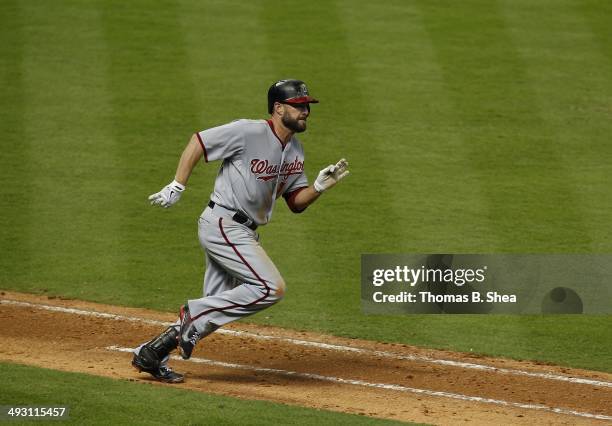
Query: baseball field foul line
386,386
340,348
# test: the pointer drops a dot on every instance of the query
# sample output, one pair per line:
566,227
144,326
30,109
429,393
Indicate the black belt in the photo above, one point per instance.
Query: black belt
239,217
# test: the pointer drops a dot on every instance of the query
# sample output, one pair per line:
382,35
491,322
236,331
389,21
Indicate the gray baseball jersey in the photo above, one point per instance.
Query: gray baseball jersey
256,167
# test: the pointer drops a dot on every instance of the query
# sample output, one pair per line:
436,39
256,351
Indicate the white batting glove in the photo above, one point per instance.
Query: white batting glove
168,196
331,175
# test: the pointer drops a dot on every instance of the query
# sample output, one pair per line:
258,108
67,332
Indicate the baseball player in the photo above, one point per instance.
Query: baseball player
261,161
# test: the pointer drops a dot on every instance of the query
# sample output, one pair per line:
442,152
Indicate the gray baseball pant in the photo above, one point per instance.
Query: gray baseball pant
240,278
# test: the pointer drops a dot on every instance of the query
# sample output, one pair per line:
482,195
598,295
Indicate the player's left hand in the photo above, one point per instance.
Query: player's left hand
168,196
331,175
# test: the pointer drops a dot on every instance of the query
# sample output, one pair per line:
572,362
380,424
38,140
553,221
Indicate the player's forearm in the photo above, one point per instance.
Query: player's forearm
305,197
191,155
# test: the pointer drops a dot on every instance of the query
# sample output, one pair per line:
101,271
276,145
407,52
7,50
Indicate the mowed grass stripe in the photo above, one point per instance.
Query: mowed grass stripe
516,152
576,114
579,114
16,179
153,116
510,144
435,191
224,45
64,114
329,236
597,15
557,224
103,401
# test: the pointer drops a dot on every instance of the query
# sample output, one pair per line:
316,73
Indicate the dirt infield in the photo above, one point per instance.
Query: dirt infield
307,369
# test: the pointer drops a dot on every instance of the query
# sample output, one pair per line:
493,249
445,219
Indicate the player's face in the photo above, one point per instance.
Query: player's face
294,116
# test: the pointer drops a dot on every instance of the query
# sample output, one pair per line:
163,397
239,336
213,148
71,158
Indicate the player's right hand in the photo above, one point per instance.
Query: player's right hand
168,196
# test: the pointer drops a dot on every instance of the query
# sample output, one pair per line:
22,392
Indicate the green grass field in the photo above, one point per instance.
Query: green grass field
101,401
475,128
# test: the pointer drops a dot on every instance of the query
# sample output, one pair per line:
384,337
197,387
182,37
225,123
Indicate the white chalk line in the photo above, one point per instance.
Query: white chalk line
385,386
339,348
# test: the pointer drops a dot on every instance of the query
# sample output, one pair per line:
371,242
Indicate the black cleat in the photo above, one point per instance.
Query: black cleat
160,372
188,335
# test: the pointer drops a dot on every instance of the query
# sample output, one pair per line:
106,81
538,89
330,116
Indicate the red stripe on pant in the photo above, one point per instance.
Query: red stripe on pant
236,305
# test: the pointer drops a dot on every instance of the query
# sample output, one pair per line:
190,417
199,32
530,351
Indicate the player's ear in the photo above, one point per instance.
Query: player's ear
278,108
